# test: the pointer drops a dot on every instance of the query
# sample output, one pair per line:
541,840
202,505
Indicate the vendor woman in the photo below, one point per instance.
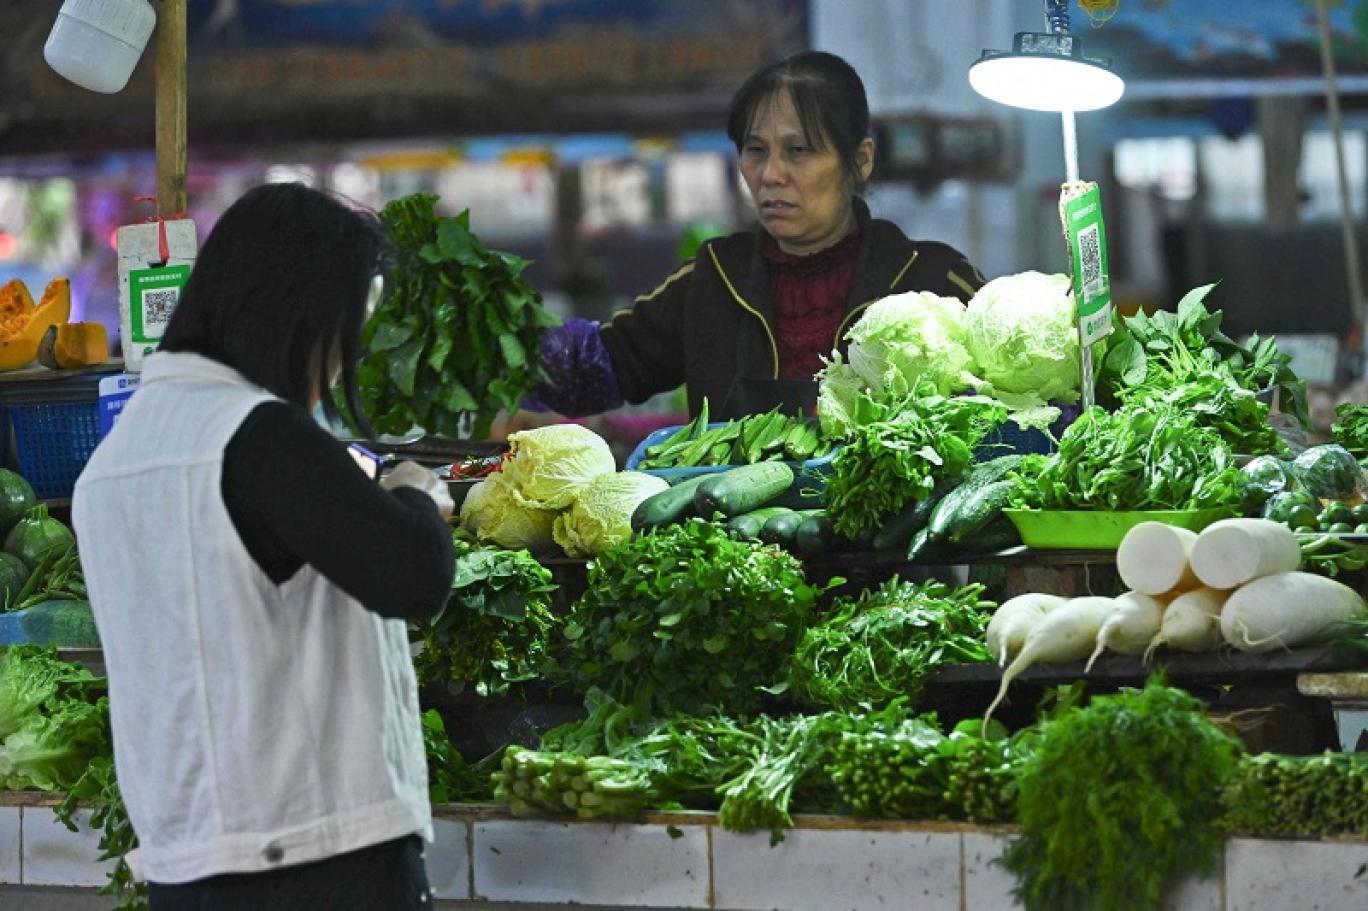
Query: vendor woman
746,322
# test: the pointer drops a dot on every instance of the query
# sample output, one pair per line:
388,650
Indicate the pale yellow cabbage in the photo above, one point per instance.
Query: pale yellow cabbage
493,514
550,465
601,516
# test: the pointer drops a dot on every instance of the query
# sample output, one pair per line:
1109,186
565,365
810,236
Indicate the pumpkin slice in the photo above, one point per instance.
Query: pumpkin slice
74,345
21,333
16,306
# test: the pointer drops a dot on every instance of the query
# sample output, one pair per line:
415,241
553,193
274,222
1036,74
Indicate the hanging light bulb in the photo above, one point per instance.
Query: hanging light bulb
97,43
1047,72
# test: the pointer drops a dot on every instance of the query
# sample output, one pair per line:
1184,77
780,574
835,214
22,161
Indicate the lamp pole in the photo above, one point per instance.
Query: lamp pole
171,107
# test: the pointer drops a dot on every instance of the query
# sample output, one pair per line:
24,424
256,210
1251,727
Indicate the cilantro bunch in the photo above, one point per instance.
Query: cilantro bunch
687,617
1350,429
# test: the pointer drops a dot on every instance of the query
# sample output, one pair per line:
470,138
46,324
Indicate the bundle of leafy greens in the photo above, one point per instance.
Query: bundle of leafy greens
900,451
450,777
1161,351
1350,429
887,643
51,721
687,617
459,336
495,630
1275,796
1118,800
97,791
1148,455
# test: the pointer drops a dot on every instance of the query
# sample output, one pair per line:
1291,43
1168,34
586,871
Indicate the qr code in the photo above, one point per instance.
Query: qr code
1090,256
157,304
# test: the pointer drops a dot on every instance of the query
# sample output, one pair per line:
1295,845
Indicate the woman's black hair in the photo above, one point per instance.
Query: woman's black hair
279,289
827,94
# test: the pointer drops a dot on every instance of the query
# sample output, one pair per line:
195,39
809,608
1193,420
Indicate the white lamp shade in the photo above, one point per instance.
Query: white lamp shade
97,43
1045,83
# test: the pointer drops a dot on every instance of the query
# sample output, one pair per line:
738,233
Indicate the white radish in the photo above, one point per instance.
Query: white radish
1153,558
1288,609
1231,552
1192,622
1131,626
1012,623
1066,633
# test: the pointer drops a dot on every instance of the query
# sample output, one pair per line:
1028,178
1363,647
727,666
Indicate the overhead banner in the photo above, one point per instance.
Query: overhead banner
357,68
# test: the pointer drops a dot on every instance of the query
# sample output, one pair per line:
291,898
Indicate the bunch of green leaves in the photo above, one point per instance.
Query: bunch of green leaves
1350,429
450,777
1118,800
687,617
1276,796
495,631
1235,413
1164,350
52,720
900,451
910,770
97,791
888,642
459,335
1148,455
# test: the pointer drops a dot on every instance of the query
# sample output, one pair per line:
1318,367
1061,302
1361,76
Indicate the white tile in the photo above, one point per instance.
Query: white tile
55,856
987,884
837,870
591,863
448,859
1193,893
1265,875
9,844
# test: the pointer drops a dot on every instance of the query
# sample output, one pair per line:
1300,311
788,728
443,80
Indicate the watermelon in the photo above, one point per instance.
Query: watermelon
13,575
16,499
66,622
35,535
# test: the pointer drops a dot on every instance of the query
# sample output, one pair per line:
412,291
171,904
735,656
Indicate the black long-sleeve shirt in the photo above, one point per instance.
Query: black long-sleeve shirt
295,496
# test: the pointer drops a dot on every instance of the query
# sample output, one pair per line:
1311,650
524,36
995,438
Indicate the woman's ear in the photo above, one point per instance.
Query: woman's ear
864,158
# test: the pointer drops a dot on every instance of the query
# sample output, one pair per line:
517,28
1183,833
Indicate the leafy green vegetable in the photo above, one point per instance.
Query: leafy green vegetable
450,778
459,337
1118,800
686,617
1351,429
31,677
601,516
495,630
1148,455
1161,351
885,644
900,451
1236,414
50,750
493,512
1020,330
535,782
549,466
97,790
1274,796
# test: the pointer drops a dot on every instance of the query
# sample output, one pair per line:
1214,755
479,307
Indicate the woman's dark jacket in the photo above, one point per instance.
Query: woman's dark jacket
712,321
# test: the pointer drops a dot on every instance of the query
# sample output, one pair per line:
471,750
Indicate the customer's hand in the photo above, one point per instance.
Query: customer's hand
411,474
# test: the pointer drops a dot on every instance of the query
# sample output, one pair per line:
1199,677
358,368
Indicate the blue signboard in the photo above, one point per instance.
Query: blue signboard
115,391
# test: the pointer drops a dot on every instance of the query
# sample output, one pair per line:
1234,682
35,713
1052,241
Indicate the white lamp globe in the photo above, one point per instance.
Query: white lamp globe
97,43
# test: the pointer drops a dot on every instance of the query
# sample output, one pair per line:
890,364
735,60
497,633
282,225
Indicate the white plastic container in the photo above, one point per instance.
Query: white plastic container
97,43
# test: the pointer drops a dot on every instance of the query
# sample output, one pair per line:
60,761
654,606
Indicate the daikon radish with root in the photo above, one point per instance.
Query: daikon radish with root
1153,558
1130,628
1192,622
1288,609
1012,623
1066,633
1231,552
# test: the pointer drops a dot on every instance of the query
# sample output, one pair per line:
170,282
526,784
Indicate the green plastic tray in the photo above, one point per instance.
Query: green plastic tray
1096,530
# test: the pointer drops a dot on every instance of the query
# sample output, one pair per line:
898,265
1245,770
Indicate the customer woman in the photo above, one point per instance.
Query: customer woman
251,583
746,321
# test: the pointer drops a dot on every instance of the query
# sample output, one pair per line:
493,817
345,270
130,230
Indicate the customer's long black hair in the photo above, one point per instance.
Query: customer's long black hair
279,290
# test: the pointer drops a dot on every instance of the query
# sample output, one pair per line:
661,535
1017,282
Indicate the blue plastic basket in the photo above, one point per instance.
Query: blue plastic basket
1010,439
53,441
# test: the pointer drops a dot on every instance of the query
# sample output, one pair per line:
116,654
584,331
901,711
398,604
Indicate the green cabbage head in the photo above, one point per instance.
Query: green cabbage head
551,465
601,516
494,514
1022,336
907,336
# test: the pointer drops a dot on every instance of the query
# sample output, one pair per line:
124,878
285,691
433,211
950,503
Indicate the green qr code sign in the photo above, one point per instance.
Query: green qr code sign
153,295
1091,280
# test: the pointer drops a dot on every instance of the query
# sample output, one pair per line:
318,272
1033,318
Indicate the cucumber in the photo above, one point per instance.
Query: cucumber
898,531
782,529
668,506
999,534
953,502
919,543
748,526
816,535
981,507
743,489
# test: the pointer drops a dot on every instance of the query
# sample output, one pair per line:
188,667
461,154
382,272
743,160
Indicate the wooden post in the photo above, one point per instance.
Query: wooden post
171,107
